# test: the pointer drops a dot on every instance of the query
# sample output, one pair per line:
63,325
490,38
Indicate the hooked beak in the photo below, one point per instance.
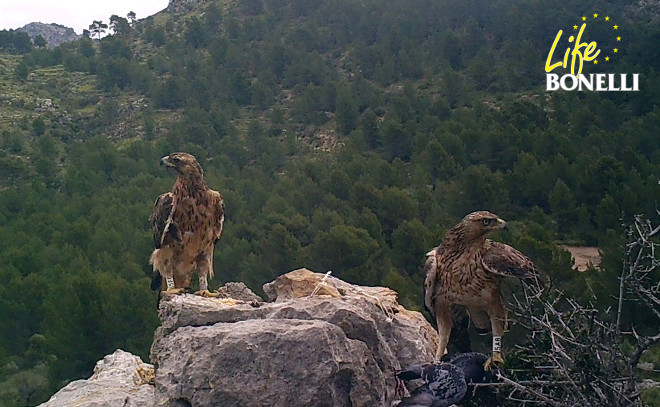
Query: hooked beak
166,161
502,224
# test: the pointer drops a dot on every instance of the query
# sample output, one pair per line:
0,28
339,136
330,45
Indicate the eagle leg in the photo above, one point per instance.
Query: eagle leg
205,268
161,259
171,288
497,321
444,322
204,288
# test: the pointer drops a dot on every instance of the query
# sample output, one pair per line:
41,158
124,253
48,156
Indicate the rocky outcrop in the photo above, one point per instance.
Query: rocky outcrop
319,342
239,291
54,34
338,347
255,363
119,379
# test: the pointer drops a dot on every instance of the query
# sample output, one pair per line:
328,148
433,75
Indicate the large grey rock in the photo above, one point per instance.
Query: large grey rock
239,291
54,34
276,362
119,379
336,349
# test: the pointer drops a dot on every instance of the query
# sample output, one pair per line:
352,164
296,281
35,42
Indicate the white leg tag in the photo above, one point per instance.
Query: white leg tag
170,282
497,344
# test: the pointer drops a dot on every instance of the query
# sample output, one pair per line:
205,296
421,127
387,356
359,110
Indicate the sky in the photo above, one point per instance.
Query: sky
77,14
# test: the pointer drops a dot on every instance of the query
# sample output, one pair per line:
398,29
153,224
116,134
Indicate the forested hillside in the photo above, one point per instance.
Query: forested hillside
345,135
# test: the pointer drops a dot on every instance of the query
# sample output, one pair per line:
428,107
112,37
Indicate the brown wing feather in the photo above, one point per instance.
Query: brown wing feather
504,260
161,222
432,285
432,279
459,337
218,204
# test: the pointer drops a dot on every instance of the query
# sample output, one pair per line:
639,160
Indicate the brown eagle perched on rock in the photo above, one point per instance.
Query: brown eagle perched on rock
187,223
465,272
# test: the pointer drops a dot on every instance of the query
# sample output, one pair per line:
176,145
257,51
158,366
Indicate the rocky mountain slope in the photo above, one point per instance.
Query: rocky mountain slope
317,342
54,34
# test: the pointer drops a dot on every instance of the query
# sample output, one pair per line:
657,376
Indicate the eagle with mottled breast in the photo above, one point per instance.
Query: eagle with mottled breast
464,273
187,222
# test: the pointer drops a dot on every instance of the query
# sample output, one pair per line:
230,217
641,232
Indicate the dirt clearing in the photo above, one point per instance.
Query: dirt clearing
584,256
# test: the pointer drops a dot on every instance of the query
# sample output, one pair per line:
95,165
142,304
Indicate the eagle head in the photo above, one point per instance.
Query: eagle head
481,223
184,164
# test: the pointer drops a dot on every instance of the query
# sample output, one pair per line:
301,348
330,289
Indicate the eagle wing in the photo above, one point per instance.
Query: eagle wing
217,205
459,313
164,229
502,259
432,284
432,278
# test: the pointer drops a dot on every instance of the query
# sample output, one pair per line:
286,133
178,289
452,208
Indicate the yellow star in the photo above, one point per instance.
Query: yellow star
595,61
607,58
575,27
616,50
616,27
596,15
584,18
618,38
607,18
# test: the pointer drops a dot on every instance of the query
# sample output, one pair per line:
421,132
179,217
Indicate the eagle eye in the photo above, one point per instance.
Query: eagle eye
486,221
175,159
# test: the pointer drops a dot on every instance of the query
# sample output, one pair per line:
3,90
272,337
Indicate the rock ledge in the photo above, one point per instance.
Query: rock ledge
338,347
119,379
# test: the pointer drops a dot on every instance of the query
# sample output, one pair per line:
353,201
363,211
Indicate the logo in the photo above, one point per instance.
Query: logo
581,53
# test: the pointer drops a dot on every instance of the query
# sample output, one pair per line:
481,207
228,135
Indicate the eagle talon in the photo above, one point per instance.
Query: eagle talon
207,294
174,291
494,362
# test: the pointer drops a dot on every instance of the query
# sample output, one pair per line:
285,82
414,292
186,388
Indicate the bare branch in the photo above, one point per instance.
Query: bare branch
573,355
530,391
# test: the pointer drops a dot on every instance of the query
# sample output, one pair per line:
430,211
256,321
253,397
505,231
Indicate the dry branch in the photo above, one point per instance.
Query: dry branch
574,354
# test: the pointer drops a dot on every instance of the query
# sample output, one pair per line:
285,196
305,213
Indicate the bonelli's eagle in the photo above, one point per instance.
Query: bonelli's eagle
187,222
465,272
